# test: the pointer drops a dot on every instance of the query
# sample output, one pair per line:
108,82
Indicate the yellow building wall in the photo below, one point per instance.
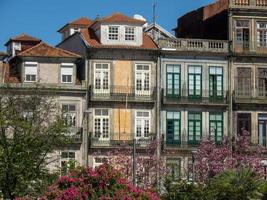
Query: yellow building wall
122,124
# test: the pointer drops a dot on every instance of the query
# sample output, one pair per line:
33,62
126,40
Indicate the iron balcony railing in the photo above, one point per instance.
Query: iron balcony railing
197,97
75,134
201,45
119,139
248,3
250,95
123,93
249,47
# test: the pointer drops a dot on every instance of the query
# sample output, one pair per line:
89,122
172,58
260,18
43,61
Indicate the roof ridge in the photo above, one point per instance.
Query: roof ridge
30,48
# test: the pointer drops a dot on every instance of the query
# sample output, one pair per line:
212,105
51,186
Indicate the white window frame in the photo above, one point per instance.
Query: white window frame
142,91
68,158
129,33
33,65
101,117
113,33
264,31
101,70
97,164
71,116
143,124
68,66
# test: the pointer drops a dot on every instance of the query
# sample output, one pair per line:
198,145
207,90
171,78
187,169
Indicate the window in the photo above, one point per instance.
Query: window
262,120
66,73
113,33
262,78
99,161
101,78
129,33
216,82
262,34
173,128
174,168
190,169
173,82
243,84
30,72
142,79
65,157
17,46
101,124
194,128
242,32
243,122
142,124
69,114
194,82
216,126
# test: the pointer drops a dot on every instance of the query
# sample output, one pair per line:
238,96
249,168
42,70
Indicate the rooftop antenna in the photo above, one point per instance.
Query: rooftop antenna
154,12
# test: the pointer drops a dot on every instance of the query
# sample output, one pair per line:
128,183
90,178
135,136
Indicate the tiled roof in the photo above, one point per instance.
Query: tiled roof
83,21
92,40
23,37
44,50
120,18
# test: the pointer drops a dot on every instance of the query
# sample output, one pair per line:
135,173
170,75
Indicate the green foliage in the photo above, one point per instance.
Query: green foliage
229,185
31,127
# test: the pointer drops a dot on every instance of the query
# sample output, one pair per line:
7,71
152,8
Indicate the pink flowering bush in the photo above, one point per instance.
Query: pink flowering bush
212,159
103,183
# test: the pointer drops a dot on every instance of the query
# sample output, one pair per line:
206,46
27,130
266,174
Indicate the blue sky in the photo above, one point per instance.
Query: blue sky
42,18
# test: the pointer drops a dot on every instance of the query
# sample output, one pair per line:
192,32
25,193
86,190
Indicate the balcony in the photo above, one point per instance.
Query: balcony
249,47
117,140
203,99
255,4
123,93
75,135
198,45
250,96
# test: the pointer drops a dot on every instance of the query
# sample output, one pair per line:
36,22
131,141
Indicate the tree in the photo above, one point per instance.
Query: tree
31,127
104,182
211,158
150,168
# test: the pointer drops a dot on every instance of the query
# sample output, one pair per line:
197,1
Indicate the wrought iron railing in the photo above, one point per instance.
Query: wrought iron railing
118,140
122,93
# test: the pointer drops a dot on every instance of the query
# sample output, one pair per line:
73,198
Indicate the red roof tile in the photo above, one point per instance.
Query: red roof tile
92,40
83,21
44,50
120,18
23,37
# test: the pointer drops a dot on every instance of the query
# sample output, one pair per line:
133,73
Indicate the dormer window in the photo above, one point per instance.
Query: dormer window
113,33
17,46
129,33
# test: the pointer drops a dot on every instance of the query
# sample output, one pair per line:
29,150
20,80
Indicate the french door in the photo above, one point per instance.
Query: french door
142,80
101,78
216,82
173,128
173,82
194,82
262,129
101,124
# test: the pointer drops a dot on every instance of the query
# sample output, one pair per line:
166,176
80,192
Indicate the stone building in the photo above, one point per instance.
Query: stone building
121,77
31,61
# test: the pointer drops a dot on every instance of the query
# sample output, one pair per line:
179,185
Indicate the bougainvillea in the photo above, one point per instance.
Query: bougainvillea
102,183
212,159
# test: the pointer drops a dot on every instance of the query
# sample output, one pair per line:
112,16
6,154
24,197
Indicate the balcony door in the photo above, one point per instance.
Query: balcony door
173,82
194,127
262,129
242,33
142,80
243,82
101,78
101,124
194,82
262,82
173,128
142,124
216,126
243,122
216,82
